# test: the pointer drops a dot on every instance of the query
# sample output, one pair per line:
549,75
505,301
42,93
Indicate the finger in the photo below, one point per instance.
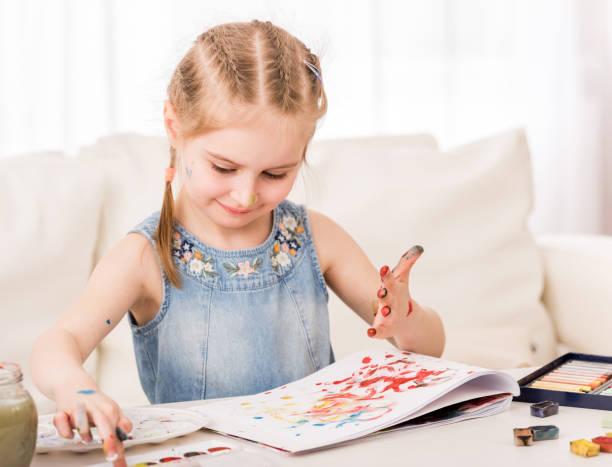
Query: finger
112,446
82,421
125,424
61,420
384,271
383,322
402,270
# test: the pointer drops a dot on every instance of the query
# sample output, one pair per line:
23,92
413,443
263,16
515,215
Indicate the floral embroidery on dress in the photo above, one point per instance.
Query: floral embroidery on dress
197,264
243,269
286,242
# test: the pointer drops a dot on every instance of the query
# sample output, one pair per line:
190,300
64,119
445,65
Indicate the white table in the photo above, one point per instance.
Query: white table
484,441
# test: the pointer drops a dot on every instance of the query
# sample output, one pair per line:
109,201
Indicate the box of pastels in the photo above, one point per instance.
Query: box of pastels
574,379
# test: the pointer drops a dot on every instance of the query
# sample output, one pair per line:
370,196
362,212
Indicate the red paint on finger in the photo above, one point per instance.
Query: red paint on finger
385,310
382,292
371,332
409,308
383,271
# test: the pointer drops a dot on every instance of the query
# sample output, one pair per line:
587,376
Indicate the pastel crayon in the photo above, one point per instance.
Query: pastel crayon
544,409
560,387
523,437
605,443
544,432
584,448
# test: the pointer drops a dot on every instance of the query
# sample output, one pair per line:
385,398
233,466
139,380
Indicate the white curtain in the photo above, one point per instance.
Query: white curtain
73,70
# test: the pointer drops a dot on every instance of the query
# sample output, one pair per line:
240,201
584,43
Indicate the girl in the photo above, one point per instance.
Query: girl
226,287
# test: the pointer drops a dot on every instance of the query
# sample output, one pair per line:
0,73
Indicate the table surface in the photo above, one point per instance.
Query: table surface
462,443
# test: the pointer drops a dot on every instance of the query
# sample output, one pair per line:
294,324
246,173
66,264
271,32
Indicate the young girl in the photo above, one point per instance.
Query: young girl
226,287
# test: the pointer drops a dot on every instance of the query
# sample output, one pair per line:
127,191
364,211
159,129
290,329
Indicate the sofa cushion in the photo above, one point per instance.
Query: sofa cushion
468,207
132,167
50,206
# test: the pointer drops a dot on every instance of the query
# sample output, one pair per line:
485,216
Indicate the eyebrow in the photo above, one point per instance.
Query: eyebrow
225,159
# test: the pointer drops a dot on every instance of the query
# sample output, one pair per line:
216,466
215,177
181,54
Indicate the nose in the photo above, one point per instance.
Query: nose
244,194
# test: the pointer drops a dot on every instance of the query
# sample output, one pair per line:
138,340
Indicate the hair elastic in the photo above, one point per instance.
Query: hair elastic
314,70
170,171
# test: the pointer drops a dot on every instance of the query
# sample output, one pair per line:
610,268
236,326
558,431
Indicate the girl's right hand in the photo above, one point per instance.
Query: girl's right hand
86,408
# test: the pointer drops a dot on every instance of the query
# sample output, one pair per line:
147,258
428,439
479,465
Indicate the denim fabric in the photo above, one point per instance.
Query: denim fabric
244,321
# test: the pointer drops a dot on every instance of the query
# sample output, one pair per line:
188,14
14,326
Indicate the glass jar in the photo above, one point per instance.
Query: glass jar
18,418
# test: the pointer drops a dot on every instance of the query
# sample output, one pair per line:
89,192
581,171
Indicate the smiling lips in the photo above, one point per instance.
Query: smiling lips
234,211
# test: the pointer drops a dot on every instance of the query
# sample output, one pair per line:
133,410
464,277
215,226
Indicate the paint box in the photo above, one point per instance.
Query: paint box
574,380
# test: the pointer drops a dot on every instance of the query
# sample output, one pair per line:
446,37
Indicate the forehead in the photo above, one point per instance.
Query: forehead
266,141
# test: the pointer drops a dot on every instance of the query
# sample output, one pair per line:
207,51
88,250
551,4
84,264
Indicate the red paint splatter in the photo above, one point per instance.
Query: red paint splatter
220,448
267,392
342,380
366,360
318,384
169,459
389,355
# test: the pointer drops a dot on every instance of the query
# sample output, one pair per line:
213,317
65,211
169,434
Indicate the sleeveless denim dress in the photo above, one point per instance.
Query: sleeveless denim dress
244,321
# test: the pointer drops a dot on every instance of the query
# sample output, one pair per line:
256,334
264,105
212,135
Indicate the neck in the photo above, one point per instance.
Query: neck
217,236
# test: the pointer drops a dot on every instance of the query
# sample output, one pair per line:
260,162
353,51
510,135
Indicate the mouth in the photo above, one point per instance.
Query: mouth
233,210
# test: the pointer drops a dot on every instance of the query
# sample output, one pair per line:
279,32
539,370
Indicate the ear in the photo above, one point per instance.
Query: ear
171,123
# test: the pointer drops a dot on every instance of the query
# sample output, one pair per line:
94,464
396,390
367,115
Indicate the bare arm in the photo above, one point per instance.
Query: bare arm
352,276
115,286
57,357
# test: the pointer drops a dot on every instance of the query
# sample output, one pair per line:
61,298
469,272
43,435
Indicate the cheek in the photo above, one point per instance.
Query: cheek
275,192
200,184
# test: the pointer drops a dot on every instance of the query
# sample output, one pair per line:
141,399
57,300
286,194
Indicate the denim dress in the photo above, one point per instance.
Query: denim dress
243,321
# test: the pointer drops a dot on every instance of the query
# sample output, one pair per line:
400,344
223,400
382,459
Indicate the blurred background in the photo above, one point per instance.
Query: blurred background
74,70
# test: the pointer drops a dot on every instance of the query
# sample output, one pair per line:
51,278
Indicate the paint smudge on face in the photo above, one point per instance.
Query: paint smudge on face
86,391
108,321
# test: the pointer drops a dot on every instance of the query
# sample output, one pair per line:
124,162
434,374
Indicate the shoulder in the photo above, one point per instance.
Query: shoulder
328,238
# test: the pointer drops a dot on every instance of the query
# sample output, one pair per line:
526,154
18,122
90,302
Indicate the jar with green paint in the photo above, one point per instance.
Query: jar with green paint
18,418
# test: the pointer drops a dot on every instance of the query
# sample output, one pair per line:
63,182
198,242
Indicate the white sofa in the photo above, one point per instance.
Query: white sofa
507,300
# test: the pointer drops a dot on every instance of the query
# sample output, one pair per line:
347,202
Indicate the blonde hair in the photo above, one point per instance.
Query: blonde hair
230,71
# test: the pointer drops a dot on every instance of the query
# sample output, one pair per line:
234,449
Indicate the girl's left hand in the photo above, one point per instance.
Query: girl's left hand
395,305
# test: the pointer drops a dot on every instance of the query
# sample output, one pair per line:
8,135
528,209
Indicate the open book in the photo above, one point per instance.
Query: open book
366,393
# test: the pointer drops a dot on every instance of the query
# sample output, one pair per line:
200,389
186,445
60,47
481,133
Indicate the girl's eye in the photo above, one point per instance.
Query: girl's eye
222,169
269,175
275,176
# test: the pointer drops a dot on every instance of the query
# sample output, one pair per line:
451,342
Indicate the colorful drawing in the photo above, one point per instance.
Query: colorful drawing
151,425
359,395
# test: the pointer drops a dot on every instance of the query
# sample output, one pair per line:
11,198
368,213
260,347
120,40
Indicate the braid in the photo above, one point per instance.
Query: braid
286,96
165,228
225,60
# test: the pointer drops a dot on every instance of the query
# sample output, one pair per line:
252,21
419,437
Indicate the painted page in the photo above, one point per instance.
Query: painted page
356,396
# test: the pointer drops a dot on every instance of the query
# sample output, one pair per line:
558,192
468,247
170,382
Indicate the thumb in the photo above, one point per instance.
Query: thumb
403,267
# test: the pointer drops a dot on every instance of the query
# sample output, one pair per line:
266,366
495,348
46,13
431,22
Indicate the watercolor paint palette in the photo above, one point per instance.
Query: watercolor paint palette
150,425
574,380
204,453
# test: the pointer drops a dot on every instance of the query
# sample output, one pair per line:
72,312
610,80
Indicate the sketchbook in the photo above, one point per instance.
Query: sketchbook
365,394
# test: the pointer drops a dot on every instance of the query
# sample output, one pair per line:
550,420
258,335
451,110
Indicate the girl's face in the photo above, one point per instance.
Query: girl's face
236,174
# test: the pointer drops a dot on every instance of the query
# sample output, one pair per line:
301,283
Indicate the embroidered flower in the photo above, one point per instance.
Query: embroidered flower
196,266
286,242
196,263
290,222
243,269
283,259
